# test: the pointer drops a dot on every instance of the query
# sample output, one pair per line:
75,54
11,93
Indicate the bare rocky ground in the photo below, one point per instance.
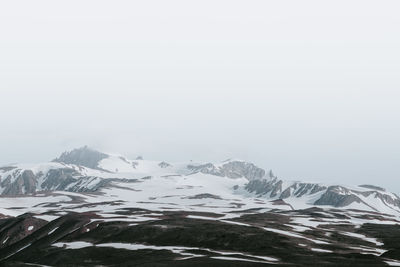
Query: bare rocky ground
198,239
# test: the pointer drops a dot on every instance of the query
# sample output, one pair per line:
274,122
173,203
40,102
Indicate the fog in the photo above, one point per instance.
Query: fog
310,89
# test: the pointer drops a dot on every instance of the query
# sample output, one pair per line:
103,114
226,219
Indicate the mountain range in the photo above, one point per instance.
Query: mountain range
85,202
87,170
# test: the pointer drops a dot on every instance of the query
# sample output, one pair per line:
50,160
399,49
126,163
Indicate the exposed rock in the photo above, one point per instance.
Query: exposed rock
164,165
264,186
274,187
232,169
334,197
337,196
59,179
202,196
286,193
82,156
17,228
134,164
23,183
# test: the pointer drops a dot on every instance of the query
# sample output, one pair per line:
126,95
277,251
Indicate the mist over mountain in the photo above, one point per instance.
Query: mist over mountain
199,133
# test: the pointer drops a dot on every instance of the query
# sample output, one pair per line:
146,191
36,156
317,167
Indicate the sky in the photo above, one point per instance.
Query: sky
310,89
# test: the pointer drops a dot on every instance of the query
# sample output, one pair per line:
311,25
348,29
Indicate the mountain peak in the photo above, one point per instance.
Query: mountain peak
83,156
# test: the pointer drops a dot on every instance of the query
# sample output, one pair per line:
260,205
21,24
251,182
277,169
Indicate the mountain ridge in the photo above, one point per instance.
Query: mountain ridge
87,170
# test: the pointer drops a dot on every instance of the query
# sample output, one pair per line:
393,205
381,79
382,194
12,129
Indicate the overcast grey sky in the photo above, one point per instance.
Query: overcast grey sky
310,89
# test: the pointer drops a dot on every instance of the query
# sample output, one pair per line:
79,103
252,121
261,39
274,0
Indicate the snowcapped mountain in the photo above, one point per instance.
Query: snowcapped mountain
87,170
88,208
365,197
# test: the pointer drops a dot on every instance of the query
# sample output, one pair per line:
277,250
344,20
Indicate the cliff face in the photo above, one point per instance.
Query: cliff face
318,194
231,169
83,156
22,182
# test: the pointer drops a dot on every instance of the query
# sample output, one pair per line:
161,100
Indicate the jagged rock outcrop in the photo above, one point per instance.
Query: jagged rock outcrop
264,186
340,196
273,187
83,156
59,179
337,196
20,182
231,169
334,197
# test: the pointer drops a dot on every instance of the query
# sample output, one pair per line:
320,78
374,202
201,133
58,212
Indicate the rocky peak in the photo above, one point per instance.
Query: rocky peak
275,188
231,169
83,156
